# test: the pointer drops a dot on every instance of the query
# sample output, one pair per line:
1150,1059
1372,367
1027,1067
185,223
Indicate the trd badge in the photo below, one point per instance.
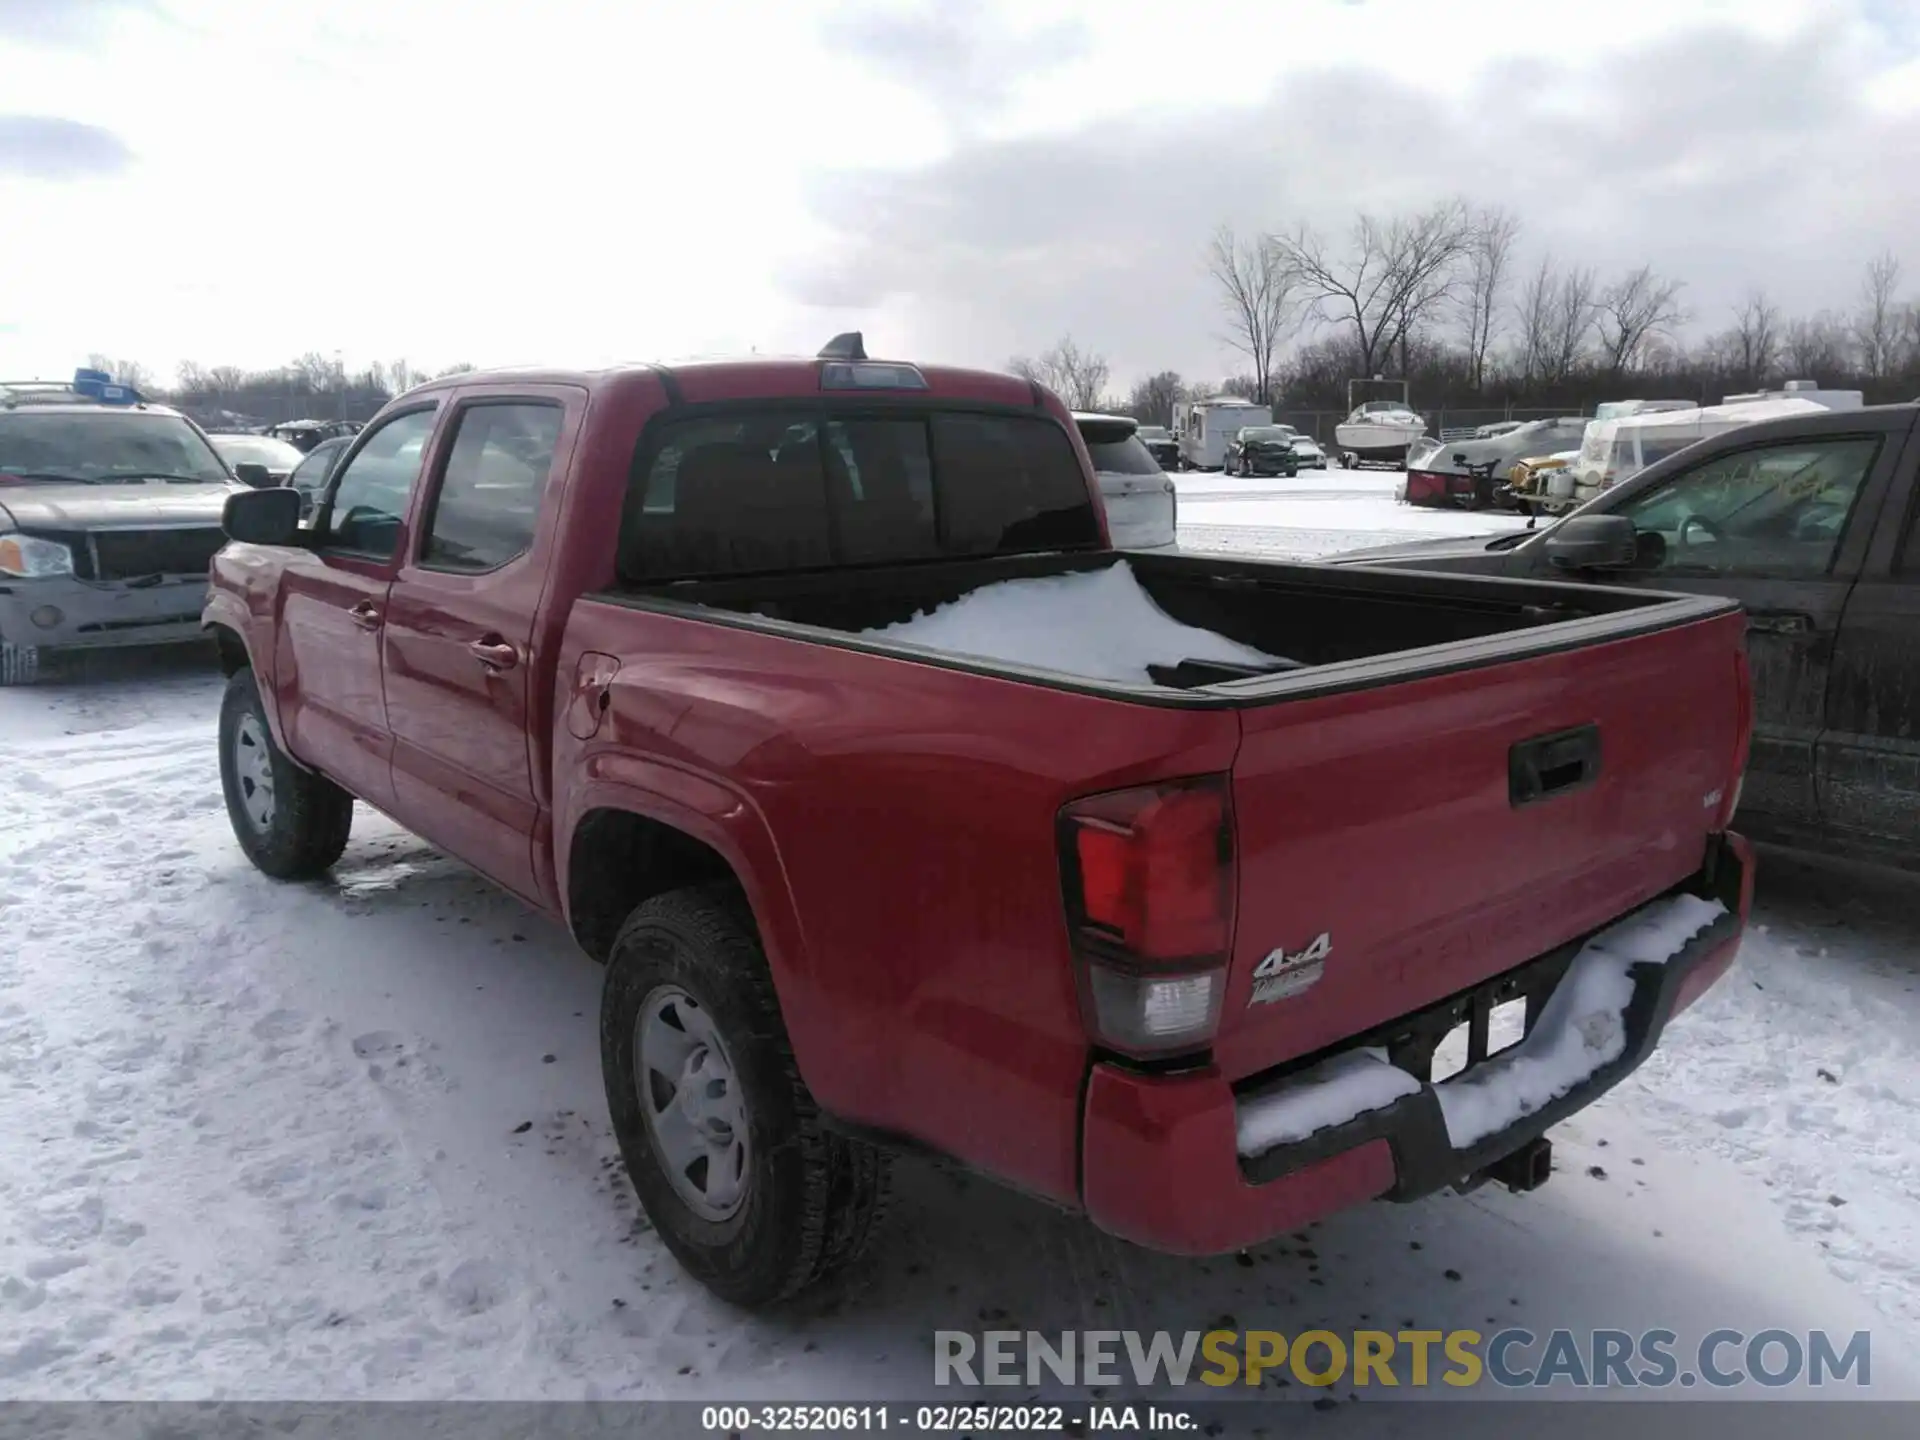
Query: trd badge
1281,975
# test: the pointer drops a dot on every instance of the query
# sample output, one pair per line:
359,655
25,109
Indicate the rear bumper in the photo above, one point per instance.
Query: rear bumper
1160,1160
68,614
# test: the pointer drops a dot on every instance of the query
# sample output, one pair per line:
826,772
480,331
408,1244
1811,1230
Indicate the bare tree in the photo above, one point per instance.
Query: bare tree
1488,263
1153,399
1636,307
1754,342
1816,348
464,367
1255,288
1078,377
1391,275
1878,323
1535,314
1557,311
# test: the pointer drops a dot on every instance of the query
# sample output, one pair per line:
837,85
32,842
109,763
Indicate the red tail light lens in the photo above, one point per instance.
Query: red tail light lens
1149,892
1154,866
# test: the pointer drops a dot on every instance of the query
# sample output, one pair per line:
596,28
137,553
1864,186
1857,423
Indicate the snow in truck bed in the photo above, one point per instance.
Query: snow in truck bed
1100,624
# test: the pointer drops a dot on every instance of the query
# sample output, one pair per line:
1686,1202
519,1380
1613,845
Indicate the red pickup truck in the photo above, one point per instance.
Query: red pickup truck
908,814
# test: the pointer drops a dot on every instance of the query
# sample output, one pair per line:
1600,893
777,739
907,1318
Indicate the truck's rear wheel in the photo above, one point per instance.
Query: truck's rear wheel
725,1147
292,823
19,664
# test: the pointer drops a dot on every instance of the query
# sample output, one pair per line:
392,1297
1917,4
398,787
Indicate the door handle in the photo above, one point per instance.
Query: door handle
366,615
1548,765
1780,622
494,653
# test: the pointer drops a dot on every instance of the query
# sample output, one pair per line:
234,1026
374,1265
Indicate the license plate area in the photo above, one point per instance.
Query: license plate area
1443,1040
1459,1032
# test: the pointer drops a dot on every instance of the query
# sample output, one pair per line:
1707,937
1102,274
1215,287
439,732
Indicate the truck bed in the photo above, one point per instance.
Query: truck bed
1269,631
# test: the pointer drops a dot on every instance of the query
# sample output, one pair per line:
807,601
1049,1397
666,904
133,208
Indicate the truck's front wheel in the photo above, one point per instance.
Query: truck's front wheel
292,823
724,1145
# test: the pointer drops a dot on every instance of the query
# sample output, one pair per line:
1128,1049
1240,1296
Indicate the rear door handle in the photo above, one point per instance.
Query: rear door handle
1780,622
494,653
366,615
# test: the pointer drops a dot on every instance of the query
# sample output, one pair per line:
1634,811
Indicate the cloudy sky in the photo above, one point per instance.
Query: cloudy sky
579,181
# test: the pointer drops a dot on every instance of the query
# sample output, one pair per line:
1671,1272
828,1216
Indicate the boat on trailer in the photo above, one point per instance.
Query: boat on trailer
1379,430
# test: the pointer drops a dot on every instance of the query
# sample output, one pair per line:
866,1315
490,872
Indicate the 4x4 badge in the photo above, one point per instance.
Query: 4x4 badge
1281,975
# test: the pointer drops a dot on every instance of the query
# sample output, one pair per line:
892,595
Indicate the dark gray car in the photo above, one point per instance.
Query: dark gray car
109,515
1813,523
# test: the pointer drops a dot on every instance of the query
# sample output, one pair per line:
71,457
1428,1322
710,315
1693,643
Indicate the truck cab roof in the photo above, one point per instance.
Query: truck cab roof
716,380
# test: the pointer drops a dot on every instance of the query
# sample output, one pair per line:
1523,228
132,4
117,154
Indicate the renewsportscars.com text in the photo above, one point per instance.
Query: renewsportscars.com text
1511,1358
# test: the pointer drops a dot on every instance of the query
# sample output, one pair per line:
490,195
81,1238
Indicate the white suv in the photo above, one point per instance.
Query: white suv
1138,494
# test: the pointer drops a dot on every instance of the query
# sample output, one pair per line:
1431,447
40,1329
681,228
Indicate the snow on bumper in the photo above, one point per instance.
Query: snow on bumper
1582,1029
1186,1164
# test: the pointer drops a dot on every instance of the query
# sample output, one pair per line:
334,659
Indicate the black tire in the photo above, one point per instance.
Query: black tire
19,664
310,817
813,1200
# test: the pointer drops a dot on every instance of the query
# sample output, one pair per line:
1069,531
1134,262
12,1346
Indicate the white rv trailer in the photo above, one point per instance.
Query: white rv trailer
1205,428
1614,450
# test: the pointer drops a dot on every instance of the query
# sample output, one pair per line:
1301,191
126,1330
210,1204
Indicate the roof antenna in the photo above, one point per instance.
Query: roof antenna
848,346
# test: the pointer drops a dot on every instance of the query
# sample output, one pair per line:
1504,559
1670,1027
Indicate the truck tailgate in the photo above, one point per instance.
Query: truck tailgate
1399,844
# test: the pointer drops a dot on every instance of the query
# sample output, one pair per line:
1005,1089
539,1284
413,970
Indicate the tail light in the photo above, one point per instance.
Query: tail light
1743,732
1425,485
1148,876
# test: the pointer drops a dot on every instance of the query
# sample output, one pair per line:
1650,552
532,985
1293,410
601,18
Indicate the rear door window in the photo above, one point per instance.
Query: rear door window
774,491
489,498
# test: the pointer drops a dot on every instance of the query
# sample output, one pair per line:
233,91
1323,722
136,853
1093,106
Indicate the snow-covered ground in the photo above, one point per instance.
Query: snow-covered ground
347,1139
1317,513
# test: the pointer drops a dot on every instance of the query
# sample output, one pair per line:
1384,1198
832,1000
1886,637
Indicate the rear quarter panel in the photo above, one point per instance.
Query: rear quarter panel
894,825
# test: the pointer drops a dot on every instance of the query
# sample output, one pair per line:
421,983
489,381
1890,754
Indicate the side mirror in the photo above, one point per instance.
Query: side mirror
1593,542
1460,458
263,517
250,472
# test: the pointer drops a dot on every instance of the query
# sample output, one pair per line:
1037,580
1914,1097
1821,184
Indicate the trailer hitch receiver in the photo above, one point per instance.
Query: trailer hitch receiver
1527,1168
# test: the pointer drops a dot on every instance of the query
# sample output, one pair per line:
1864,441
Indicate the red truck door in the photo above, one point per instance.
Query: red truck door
460,657
335,604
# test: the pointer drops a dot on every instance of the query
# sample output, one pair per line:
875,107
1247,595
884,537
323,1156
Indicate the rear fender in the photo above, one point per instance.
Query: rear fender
726,821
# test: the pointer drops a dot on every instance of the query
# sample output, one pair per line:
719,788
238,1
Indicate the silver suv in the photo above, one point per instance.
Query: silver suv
109,514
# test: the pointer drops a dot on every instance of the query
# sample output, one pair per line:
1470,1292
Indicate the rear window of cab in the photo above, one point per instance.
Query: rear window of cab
748,492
